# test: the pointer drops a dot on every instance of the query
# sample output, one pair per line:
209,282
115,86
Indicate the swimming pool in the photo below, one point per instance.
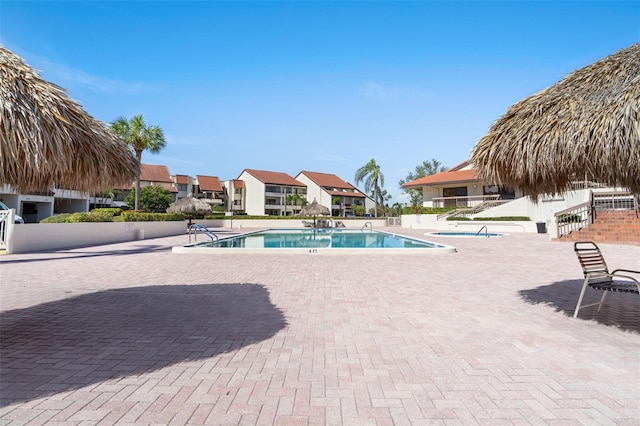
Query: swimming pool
465,234
314,241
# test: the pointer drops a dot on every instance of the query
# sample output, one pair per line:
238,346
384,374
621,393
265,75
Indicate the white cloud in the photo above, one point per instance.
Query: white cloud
65,75
375,90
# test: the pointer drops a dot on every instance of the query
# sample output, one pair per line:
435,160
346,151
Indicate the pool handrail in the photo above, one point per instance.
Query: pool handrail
365,226
201,229
486,231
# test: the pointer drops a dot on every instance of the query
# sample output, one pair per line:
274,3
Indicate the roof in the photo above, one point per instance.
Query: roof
209,183
153,173
237,183
182,179
274,178
326,180
332,184
444,178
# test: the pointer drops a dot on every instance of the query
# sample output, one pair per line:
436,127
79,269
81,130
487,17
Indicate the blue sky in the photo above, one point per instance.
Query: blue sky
318,86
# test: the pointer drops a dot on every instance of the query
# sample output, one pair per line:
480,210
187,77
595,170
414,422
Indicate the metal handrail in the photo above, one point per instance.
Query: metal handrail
200,229
486,231
365,225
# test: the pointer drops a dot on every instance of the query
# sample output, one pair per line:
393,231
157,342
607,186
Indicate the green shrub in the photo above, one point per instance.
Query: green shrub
100,216
505,218
569,218
113,211
495,219
58,218
137,216
79,217
426,210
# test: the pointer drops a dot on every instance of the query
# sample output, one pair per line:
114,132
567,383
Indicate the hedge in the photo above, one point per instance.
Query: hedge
138,216
488,219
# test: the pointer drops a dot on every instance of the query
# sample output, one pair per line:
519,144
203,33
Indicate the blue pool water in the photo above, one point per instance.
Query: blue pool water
318,239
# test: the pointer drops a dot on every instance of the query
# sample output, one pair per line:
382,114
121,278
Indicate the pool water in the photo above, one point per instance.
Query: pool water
314,240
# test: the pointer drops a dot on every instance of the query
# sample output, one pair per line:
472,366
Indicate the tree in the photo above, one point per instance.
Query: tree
373,180
294,200
427,168
107,193
358,210
141,137
153,198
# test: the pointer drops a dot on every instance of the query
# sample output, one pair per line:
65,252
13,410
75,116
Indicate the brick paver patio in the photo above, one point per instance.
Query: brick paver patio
134,334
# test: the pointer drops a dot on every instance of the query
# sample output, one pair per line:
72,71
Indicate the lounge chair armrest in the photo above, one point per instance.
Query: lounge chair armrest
612,275
626,270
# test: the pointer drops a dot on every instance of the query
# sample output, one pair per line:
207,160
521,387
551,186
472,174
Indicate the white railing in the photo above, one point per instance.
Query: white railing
466,201
470,211
613,200
394,221
574,218
4,218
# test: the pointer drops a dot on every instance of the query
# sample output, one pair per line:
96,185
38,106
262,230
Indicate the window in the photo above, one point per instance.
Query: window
451,196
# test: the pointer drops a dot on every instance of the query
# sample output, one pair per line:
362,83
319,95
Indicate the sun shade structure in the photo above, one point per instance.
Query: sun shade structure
314,209
585,127
190,206
47,139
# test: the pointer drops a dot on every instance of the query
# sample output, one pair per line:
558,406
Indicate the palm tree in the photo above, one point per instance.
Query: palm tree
294,200
136,133
373,180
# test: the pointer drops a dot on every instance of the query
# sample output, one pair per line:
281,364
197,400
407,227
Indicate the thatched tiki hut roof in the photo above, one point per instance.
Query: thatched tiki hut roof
585,127
315,209
47,139
190,206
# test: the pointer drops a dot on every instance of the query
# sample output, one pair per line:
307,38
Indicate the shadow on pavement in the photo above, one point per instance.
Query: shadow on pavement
621,310
78,253
71,343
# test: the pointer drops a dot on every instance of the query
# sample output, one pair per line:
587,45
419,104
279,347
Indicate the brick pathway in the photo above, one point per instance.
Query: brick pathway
134,334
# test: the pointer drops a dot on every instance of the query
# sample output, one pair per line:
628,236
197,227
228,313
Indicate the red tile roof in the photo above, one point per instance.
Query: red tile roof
237,183
275,178
209,183
182,179
326,180
153,173
444,178
332,184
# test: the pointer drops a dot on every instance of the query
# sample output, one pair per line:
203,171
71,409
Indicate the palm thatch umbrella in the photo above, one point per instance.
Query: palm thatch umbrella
314,209
190,207
585,127
47,139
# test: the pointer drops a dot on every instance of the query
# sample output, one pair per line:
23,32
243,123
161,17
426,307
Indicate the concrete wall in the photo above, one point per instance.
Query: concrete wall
31,237
430,221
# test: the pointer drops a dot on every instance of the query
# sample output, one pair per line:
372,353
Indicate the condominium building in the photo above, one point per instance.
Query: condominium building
267,192
334,193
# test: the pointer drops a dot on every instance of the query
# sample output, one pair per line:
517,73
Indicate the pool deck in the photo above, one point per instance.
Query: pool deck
132,333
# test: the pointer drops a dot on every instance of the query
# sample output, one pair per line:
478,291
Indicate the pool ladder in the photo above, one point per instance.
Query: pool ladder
370,227
486,231
200,229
